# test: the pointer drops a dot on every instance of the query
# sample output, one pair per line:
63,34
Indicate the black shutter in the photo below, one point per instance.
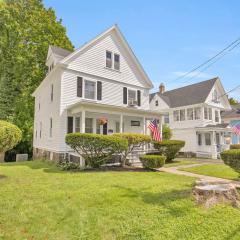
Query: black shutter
99,90
69,124
124,95
79,86
139,97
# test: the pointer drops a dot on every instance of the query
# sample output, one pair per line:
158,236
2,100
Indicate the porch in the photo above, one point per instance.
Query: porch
212,140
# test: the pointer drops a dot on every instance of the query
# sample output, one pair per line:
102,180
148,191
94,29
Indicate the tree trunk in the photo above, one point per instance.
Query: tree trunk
2,155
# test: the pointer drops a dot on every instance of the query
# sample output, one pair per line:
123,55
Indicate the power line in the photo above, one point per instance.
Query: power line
209,60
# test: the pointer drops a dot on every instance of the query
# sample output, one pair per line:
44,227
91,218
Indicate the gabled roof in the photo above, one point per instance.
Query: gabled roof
189,95
115,29
60,51
234,113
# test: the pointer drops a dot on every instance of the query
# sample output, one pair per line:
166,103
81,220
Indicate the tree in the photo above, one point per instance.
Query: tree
166,132
27,29
10,135
233,101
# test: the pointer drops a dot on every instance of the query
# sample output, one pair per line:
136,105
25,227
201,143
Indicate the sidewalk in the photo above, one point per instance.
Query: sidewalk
176,170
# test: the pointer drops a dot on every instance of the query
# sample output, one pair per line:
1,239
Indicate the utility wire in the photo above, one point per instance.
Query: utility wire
209,60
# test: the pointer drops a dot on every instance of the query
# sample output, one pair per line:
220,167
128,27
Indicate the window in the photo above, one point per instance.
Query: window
116,61
117,127
205,113
135,123
182,115
132,96
207,139
88,125
69,124
216,116
166,118
108,59
197,113
77,124
51,92
176,115
190,114
156,103
210,114
90,88
50,127
215,96
199,137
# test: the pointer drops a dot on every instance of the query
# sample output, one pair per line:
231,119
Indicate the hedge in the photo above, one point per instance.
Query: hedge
152,161
135,140
232,159
235,146
96,149
169,148
10,136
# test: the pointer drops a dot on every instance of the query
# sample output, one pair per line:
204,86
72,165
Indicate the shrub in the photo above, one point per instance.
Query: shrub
135,140
232,159
10,135
235,146
166,132
169,148
94,148
152,161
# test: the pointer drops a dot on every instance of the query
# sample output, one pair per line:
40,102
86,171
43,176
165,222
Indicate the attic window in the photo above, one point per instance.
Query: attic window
112,60
108,59
215,96
156,103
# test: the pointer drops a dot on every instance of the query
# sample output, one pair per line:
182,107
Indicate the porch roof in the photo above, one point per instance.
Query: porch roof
217,127
96,106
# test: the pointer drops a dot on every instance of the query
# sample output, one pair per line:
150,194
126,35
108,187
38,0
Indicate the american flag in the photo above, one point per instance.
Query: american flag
236,128
156,134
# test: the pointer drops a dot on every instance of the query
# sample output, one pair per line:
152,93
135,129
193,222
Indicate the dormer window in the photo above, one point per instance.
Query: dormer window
112,60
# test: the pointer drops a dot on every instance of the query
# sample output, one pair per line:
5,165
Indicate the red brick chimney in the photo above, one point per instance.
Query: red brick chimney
162,88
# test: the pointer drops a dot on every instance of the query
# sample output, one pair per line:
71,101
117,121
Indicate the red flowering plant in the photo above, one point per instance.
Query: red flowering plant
102,121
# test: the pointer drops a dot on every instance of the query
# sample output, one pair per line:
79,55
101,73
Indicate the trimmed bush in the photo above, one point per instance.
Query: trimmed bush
152,161
169,148
232,159
96,149
235,146
166,132
10,136
135,140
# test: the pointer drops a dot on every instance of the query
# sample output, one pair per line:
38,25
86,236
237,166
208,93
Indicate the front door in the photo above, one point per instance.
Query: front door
105,129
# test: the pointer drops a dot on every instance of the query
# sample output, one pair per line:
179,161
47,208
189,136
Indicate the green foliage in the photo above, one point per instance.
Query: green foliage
67,166
169,148
232,159
135,140
166,132
152,161
27,29
233,101
235,146
95,148
10,135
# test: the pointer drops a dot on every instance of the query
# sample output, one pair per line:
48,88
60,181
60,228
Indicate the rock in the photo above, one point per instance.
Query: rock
212,193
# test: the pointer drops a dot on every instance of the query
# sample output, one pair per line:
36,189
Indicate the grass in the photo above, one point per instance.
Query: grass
40,202
179,162
214,170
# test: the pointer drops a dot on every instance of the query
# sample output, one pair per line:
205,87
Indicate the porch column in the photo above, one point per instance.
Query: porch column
83,121
121,123
144,125
214,146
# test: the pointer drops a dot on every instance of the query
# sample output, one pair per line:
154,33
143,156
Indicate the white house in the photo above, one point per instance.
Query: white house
193,113
101,80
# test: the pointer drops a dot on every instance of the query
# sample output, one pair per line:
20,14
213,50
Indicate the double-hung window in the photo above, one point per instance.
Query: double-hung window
90,89
205,113
77,124
50,127
132,96
199,137
216,116
176,115
207,139
88,125
182,115
197,113
210,114
116,61
190,114
108,59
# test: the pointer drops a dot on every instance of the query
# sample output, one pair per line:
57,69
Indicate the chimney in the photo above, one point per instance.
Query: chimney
162,88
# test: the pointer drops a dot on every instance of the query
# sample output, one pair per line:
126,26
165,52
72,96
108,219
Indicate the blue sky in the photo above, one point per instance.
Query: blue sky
169,37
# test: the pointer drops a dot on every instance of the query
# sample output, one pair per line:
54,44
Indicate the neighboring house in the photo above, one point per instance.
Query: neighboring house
101,80
193,113
232,117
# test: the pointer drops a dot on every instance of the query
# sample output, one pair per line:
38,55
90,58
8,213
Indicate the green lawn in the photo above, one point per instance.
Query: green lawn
180,162
37,201
214,170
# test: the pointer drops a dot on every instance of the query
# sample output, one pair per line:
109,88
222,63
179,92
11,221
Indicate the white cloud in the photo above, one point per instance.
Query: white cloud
197,74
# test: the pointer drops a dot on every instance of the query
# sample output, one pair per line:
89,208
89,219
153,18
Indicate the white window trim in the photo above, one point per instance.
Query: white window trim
131,89
112,68
95,95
